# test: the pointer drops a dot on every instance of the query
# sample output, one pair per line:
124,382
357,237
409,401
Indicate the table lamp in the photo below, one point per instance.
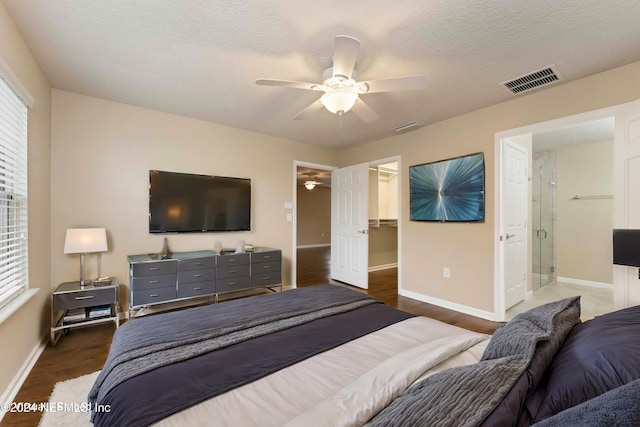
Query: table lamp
84,241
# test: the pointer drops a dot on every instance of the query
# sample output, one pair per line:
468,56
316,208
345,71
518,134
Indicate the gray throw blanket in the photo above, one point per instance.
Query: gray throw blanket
466,395
144,344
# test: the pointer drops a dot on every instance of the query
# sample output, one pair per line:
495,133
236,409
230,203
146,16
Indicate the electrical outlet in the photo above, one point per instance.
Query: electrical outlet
446,272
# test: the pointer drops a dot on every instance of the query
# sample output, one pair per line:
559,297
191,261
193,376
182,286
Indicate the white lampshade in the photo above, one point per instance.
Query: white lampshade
339,100
85,240
310,185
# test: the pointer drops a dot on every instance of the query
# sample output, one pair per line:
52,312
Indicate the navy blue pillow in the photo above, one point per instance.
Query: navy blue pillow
598,355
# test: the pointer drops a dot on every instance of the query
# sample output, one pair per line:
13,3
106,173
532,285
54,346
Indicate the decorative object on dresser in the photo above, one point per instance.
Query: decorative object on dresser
84,241
74,305
189,275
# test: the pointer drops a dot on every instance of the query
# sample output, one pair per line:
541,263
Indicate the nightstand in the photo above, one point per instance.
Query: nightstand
71,298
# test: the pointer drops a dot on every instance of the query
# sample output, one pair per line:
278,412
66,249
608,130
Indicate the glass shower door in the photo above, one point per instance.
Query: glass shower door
543,216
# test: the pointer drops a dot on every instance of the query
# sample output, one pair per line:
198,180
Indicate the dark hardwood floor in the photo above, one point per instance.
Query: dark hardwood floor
83,351
314,268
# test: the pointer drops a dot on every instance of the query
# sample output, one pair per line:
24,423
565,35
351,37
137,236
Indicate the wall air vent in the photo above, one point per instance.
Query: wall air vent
533,80
408,126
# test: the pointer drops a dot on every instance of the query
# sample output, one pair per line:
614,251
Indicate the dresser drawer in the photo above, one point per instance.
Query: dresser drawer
266,279
196,263
232,259
192,276
84,298
152,296
195,289
154,268
153,282
232,284
265,267
232,271
266,256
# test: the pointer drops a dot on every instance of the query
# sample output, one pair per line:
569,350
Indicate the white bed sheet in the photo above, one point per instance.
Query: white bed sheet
284,395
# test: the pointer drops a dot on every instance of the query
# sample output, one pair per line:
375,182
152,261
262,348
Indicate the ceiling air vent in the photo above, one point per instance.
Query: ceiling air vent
533,80
408,126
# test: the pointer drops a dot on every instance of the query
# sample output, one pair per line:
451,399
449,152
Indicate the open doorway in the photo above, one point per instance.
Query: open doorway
312,222
312,249
570,213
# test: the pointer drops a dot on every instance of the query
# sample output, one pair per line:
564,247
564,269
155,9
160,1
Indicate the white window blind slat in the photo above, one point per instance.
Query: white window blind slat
13,195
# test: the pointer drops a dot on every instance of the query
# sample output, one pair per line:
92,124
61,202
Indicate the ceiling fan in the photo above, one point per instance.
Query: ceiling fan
341,90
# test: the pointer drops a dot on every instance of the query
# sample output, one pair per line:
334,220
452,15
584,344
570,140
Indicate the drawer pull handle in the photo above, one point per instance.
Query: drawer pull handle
197,289
197,275
197,263
266,266
266,278
154,268
267,256
233,283
87,297
233,271
233,259
154,295
152,282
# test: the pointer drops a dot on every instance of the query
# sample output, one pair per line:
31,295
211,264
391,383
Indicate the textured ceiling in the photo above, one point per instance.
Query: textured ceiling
201,58
585,133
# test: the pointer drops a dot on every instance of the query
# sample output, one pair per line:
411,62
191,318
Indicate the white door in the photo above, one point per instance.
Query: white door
626,284
514,222
350,225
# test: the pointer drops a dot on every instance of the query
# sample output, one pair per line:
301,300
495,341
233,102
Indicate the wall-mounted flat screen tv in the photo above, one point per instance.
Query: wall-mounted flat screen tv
448,190
183,203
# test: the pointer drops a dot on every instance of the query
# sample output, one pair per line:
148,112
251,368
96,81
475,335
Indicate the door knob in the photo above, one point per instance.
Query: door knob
362,231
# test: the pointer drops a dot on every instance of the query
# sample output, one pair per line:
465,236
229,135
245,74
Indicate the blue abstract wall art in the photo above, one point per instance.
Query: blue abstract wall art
448,190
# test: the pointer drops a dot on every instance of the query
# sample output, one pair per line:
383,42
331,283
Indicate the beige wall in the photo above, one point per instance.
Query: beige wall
102,152
584,244
467,249
21,334
314,216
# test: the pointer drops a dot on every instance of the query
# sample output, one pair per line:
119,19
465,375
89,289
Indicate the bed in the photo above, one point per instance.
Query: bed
331,356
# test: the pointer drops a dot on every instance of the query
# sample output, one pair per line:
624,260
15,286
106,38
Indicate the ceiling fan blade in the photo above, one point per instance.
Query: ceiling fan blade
290,83
362,110
345,53
304,114
396,84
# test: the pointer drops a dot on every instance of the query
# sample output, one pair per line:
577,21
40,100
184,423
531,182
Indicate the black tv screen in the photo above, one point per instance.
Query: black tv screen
183,203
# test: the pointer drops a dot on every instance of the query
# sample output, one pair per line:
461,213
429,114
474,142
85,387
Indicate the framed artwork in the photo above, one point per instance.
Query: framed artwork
448,190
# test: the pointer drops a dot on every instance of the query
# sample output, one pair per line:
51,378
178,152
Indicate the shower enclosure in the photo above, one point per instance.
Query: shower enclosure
543,217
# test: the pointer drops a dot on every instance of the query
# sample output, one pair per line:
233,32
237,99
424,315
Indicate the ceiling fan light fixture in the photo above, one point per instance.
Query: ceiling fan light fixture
310,185
339,100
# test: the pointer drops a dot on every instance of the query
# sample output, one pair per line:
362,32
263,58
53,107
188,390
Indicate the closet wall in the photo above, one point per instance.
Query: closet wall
383,216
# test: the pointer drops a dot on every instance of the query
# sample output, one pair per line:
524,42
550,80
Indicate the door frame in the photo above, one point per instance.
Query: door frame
499,137
294,211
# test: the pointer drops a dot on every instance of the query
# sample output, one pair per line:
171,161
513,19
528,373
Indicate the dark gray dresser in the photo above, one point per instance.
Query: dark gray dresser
186,275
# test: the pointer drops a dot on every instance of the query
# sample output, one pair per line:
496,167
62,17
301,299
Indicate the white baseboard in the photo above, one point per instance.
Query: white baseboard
319,245
12,391
487,315
383,267
584,282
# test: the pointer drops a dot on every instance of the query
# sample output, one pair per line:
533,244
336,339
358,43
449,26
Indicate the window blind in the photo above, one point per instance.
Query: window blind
13,194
